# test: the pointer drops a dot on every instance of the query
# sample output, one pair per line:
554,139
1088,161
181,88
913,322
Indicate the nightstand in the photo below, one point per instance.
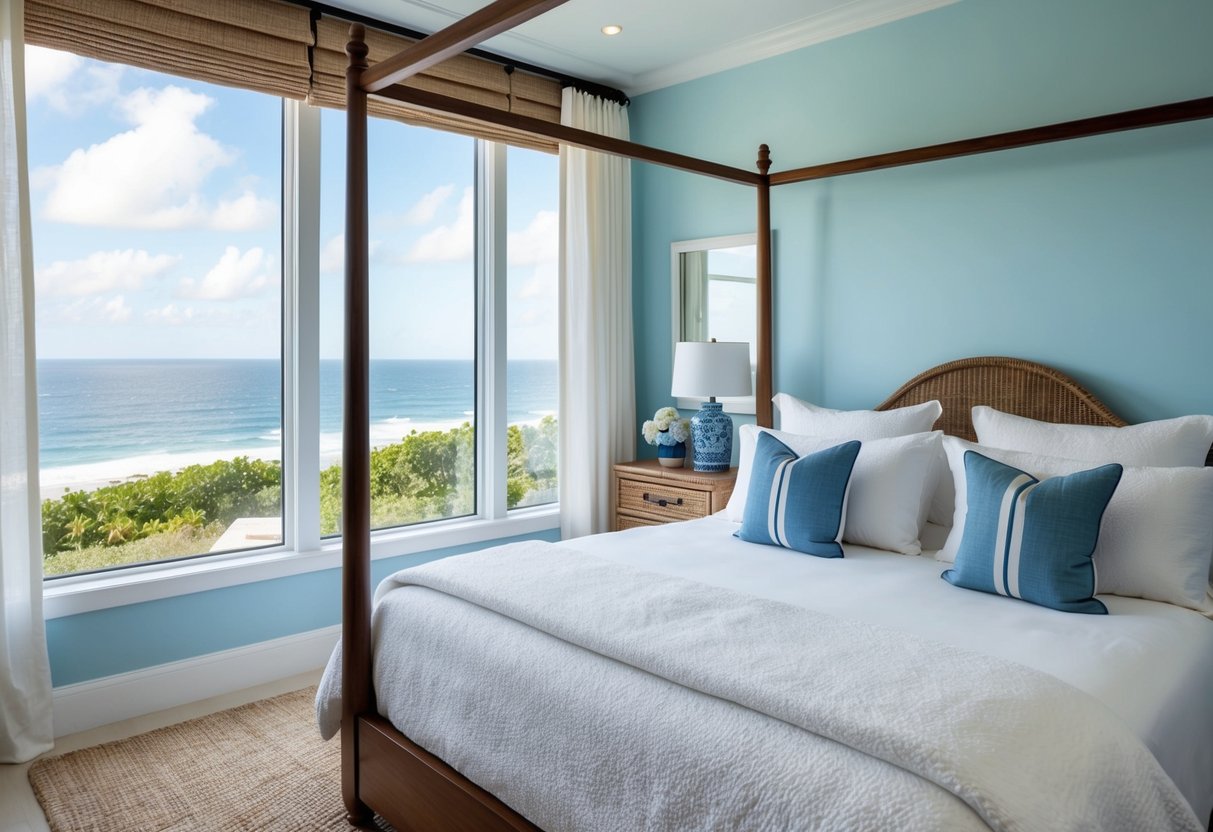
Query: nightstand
647,494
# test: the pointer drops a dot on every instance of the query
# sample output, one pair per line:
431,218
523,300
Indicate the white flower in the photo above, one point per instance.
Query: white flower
680,429
650,431
665,420
664,416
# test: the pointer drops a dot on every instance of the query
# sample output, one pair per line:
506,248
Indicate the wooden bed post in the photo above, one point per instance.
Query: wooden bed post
763,414
357,697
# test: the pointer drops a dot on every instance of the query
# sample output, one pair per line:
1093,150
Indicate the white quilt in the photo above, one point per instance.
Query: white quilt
593,696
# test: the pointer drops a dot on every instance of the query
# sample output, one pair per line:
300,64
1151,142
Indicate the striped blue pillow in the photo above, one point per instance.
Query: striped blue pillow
1033,539
798,502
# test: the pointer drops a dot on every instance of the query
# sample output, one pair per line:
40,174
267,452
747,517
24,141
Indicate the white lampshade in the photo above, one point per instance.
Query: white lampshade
711,368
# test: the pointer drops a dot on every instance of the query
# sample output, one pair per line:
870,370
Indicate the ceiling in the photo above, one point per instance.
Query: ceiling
663,42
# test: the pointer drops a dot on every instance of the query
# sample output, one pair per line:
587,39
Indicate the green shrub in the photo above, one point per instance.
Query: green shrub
180,543
116,515
426,476
532,462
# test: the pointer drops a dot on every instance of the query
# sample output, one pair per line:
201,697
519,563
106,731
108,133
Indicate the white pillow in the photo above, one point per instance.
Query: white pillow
1156,540
797,416
1169,443
891,485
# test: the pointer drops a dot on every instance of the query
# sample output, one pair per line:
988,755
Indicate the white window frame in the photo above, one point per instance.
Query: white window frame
303,550
491,427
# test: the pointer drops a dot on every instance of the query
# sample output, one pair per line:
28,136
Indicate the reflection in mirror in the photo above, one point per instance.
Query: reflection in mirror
714,296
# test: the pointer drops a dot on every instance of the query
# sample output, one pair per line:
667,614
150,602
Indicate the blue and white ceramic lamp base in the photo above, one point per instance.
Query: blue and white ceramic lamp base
712,438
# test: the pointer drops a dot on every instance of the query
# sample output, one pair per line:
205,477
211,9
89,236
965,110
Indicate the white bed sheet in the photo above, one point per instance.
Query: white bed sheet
1150,663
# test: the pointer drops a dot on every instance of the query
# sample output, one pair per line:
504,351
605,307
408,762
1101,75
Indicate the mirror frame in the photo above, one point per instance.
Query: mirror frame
677,249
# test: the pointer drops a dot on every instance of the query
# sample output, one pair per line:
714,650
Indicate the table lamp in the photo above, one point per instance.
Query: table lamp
710,369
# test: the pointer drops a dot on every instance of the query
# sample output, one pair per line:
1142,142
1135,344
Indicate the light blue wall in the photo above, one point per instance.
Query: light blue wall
121,639
1095,255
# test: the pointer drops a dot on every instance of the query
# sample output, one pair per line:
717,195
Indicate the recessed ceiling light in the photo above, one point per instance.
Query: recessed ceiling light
612,29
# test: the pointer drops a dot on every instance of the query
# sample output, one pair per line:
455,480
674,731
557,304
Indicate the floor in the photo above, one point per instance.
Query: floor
20,812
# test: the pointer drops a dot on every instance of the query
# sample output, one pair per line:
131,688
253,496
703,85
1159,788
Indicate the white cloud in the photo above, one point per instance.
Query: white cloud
245,212
424,210
116,311
447,243
150,176
332,254
538,243
102,271
93,311
56,78
212,318
542,283
146,177
46,71
236,275
170,314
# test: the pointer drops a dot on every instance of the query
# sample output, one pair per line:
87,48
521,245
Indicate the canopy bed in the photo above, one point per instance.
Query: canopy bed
392,773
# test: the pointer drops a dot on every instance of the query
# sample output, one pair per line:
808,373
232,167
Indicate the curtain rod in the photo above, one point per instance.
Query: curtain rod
581,84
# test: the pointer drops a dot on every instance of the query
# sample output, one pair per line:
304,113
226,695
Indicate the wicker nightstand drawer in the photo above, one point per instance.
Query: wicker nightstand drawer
622,521
659,500
647,494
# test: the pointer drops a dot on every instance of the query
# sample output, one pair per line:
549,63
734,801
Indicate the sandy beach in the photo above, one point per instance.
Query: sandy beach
55,482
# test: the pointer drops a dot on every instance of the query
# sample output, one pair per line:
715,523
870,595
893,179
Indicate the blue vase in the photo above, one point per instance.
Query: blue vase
712,438
670,452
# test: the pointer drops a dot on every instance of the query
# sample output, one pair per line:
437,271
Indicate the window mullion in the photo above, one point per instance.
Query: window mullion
301,326
491,349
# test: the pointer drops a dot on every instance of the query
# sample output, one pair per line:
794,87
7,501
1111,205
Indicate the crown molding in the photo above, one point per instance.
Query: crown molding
835,23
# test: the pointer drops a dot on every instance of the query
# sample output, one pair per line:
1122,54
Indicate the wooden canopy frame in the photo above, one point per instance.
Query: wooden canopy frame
382,770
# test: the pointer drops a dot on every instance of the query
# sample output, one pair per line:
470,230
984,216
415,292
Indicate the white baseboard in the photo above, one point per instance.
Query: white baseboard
87,705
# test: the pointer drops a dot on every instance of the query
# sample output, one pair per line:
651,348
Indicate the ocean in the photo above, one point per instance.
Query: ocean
105,419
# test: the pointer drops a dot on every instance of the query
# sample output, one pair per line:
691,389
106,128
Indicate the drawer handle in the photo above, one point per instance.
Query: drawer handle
661,501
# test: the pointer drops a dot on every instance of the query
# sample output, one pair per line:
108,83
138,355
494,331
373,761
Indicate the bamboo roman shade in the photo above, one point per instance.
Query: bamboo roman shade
464,77
259,45
275,47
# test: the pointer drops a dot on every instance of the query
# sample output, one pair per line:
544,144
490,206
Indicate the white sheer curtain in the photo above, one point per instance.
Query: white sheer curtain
25,679
597,376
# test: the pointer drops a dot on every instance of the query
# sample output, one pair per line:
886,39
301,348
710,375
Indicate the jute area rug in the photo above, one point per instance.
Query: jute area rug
261,766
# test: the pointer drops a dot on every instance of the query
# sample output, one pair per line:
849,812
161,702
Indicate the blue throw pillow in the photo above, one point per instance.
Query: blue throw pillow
1033,539
798,502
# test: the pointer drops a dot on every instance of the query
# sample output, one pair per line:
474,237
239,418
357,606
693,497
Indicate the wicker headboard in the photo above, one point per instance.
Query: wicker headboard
1011,385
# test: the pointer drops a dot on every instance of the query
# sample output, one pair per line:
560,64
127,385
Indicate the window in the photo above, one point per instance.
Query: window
422,322
158,230
532,397
157,226
731,305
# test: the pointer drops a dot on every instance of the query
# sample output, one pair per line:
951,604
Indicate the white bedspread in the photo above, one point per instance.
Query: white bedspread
1151,663
694,707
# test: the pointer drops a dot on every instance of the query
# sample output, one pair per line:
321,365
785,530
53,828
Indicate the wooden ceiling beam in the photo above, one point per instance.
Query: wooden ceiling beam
1197,108
477,27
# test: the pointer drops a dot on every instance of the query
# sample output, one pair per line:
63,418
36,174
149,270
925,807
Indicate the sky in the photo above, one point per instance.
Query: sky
156,214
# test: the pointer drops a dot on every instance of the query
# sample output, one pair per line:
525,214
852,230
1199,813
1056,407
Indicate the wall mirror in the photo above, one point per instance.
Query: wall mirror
714,295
